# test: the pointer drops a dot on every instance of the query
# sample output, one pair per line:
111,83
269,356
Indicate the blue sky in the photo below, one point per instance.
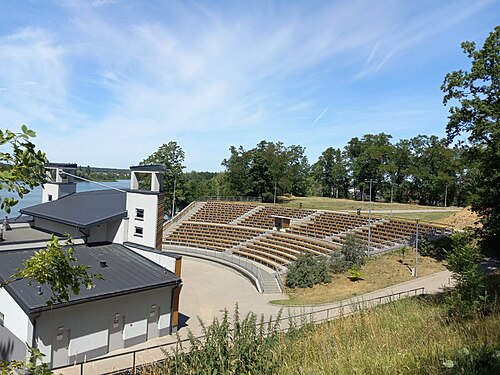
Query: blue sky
107,82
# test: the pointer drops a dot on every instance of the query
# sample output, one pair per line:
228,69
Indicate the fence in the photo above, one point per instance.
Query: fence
227,257
130,362
229,199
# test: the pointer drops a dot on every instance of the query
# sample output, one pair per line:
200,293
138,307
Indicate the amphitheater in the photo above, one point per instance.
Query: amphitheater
249,237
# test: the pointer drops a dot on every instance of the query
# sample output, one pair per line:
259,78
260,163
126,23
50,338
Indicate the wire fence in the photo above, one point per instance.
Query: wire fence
132,361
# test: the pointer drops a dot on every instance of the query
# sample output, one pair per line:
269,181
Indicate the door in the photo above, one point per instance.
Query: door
115,333
60,344
153,330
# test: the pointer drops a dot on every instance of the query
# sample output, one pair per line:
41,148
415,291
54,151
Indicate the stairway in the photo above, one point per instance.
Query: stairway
247,214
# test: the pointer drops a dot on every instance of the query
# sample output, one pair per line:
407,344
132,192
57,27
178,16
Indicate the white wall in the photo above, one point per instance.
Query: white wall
57,191
149,203
88,323
98,233
115,232
162,259
16,322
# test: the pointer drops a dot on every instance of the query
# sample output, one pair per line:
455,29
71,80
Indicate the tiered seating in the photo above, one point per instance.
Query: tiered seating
263,218
330,223
210,236
251,236
278,248
221,212
394,232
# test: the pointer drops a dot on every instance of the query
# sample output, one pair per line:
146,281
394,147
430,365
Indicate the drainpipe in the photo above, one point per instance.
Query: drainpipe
33,338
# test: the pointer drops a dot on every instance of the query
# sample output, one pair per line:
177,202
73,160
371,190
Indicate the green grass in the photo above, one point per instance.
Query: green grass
347,204
379,272
424,216
405,337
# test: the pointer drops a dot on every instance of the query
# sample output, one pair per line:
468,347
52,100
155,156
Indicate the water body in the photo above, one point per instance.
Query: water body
35,196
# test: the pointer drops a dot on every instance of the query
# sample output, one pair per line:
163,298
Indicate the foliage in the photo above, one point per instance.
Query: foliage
245,346
306,271
102,174
22,168
351,255
468,297
30,365
170,156
56,266
257,172
355,273
475,114
331,171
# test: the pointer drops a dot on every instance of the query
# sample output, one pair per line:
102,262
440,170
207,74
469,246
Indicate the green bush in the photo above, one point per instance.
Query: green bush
352,253
306,271
468,298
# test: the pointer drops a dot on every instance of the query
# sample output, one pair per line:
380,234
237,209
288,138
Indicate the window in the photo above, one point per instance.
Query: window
1,319
138,231
50,197
139,214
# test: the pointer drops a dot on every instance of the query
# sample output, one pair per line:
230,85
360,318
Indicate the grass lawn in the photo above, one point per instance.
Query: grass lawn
380,272
347,204
424,216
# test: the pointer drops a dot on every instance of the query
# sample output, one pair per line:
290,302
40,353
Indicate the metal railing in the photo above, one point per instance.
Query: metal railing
229,199
228,257
131,361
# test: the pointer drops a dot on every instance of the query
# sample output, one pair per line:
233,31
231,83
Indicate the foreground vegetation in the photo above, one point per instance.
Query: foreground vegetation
379,272
412,336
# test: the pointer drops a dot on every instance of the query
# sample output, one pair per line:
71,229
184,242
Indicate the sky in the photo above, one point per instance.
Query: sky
106,82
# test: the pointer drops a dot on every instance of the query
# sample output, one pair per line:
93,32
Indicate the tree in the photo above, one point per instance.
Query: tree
474,115
331,171
21,169
170,156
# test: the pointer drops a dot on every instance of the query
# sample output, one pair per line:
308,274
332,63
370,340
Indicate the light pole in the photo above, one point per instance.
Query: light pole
392,186
370,217
446,195
416,251
173,199
275,183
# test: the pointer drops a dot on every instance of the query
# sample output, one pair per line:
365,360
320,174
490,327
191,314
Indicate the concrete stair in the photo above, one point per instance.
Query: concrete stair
241,218
182,216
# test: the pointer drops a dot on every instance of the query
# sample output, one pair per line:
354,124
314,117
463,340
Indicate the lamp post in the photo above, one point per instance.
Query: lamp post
370,217
173,199
446,195
275,185
392,186
416,251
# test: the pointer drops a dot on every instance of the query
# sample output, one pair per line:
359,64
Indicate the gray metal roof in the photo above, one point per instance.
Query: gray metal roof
126,272
85,209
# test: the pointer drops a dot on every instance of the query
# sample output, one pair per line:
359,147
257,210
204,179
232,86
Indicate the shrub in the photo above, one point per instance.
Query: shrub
306,271
469,297
352,254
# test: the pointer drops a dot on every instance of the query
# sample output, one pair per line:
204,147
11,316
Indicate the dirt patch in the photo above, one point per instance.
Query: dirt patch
462,219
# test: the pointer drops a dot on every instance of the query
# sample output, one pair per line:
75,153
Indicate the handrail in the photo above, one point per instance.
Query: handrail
325,314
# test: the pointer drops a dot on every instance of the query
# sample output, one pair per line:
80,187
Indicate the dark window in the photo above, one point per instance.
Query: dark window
138,231
50,197
1,319
139,214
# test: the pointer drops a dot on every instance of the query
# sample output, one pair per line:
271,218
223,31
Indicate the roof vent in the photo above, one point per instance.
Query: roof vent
103,264
39,290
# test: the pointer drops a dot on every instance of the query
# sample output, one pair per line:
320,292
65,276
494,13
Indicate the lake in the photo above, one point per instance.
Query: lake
35,196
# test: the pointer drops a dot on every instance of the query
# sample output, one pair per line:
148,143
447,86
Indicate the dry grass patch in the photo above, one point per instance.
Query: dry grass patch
380,272
429,217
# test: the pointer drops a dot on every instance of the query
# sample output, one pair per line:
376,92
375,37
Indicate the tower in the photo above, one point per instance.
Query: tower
59,184
146,206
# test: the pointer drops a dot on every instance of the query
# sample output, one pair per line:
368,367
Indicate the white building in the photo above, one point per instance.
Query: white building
120,233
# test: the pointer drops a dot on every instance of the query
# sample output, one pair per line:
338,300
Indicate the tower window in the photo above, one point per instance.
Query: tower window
1,319
139,214
50,197
138,231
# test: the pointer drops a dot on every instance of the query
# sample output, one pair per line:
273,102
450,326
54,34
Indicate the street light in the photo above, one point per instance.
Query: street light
416,251
392,186
173,199
445,195
370,217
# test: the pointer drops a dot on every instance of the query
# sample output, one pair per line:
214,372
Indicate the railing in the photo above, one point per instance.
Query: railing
230,258
129,362
229,199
